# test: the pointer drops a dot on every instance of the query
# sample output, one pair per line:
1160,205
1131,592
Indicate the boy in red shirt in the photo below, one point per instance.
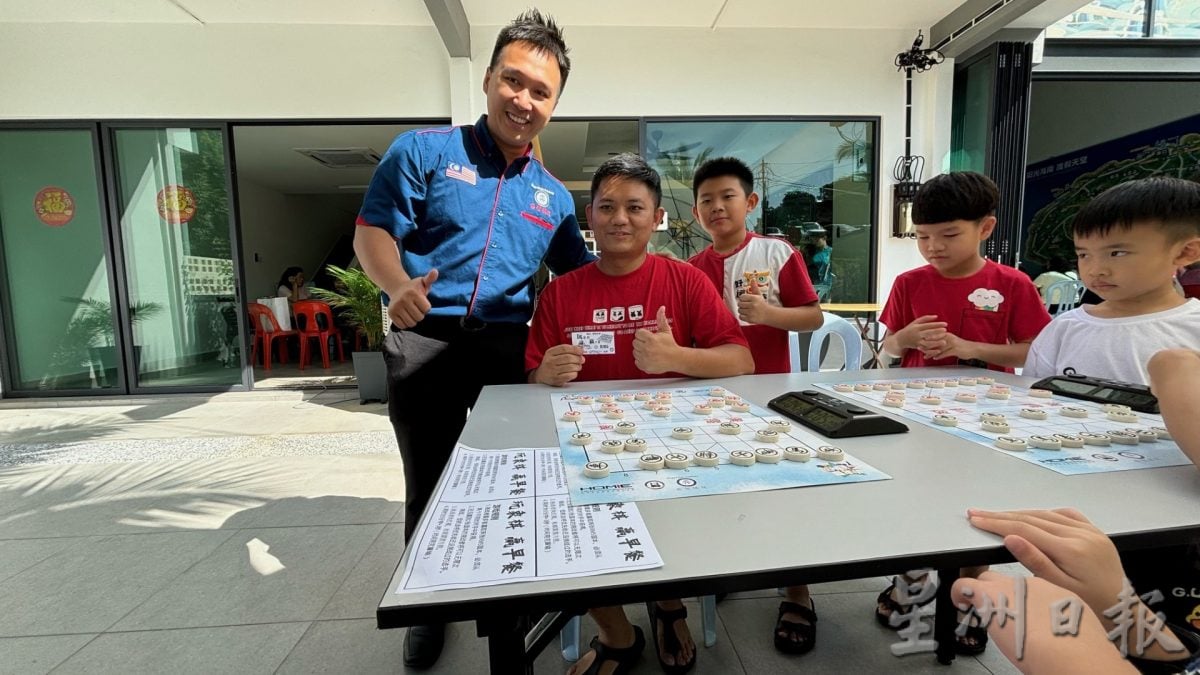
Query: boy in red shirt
960,308
764,282
630,315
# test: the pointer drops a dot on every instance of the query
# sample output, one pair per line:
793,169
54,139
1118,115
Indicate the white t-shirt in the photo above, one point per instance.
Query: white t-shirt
1114,349
286,292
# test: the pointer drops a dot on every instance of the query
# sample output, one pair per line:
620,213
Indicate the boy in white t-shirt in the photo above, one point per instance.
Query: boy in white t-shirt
1130,241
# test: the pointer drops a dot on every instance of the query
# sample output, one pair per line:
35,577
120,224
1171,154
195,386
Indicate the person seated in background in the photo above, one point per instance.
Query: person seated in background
291,285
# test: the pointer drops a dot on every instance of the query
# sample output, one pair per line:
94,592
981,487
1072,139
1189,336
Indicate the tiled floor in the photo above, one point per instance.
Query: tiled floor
232,554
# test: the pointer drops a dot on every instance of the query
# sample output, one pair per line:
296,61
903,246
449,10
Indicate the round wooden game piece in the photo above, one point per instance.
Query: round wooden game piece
625,398
1090,438
1011,443
995,427
931,400
682,433
967,381
1123,437
730,399
1033,413
880,386
916,384
797,454
935,384
584,400
702,409
706,458
965,397
993,416
662,395
1045,442
945,420
1144,435
642,396
767,436
742,457
651,462
716,402
740,406
612,447
636,445
716,391
893,402
830,453
896,385
610,406
1073,411
1041,393
572,416
1124,417
1115,407
998,394
731,428
780,426
862,386
985,380
581,438
595,470
1069,440
843,387
605,398
1162,432
950,383
661,411
650,405
677,460
615,413
767,455
625,427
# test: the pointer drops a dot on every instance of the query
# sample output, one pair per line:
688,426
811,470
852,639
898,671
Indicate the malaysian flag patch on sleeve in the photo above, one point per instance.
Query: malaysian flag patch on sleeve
459,172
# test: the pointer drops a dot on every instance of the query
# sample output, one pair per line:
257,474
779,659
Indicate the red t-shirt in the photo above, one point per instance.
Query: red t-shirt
997,304
602,312
783,277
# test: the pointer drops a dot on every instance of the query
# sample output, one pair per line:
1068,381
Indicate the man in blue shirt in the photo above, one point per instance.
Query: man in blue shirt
453,227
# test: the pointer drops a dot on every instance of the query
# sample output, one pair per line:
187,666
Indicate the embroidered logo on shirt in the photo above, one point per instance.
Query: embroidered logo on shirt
459,172
986,299
541,195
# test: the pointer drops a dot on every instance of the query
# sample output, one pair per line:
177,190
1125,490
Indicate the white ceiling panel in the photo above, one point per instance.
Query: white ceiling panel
368,12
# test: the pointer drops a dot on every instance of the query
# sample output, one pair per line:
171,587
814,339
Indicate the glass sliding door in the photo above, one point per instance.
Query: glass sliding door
174,206
55,293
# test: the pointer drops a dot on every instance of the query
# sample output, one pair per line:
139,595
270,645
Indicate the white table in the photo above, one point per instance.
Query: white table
805,535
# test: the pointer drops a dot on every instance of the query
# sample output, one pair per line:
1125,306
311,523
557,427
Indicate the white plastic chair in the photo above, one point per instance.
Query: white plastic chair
1064,295
834,325
568,638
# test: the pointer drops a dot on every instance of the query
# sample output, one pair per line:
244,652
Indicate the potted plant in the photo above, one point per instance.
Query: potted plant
359,302
92,327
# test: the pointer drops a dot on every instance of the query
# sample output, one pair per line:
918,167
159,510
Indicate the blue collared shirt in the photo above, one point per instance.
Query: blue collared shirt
450,202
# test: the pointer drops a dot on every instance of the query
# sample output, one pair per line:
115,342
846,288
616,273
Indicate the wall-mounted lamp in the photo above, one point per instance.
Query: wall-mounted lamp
908,169
902,199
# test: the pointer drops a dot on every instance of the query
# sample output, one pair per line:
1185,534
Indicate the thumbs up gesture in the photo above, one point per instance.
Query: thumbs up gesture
752,306
655,351
410,304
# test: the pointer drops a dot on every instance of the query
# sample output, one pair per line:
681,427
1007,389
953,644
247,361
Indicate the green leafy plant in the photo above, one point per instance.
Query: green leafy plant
94,320
358,298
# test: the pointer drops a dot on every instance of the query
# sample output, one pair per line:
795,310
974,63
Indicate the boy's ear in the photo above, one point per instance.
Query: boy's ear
752,200
986,227
695,214
1190,252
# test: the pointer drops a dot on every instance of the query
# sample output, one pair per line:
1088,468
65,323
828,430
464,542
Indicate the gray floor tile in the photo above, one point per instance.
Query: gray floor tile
98,581
358,597
848,640
36,655
308,511
225,589
224,649
875,584
357,646
17,556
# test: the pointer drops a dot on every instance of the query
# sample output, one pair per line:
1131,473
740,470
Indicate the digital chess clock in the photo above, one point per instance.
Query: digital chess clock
1099,390
832,416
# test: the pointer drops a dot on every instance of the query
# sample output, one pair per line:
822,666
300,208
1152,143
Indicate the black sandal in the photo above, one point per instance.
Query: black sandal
667,618
894,606
974,641
805,634
625,657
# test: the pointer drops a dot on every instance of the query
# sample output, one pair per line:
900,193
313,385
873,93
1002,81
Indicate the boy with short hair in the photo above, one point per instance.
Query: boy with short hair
1130,241
631,315
960,308
764,282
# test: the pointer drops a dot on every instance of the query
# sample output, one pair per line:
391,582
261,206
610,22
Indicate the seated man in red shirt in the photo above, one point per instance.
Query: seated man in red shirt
630,315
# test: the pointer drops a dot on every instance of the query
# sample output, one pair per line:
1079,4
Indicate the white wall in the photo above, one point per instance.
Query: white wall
265,71
1067,116
286,230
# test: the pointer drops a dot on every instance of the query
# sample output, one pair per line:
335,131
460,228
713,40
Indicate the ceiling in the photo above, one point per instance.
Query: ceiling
898,14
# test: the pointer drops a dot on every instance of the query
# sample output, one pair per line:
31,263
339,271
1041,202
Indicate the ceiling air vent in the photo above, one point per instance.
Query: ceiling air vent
341,158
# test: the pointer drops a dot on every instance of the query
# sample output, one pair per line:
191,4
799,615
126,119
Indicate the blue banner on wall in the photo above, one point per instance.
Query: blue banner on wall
1057,188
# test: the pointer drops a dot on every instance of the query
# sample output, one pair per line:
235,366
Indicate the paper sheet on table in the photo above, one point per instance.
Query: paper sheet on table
504,516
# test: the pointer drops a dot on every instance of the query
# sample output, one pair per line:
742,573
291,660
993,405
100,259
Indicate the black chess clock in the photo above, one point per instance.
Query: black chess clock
834,417
1095,389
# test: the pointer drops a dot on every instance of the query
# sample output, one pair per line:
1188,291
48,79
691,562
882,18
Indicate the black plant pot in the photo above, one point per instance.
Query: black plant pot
371,373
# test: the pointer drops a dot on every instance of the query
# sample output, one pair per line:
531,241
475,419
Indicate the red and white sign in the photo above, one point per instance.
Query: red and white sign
54,206
176,204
